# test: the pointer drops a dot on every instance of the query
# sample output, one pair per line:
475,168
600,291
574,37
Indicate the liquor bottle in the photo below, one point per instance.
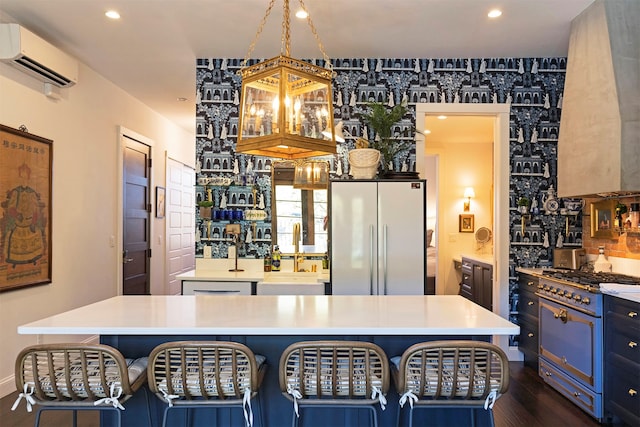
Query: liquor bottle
275,259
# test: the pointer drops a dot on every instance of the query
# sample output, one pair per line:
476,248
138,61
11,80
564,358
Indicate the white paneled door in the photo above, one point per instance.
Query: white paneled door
180,217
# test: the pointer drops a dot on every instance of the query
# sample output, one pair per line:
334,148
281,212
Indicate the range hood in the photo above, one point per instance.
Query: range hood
599,140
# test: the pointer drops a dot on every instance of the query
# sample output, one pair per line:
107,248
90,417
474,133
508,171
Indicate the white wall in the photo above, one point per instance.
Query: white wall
84,128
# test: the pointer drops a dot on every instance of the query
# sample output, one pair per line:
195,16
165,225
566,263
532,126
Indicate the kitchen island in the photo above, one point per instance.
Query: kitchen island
268,324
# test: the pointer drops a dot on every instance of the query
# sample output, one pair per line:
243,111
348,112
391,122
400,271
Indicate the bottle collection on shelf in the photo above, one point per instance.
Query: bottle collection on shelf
627,222
234,203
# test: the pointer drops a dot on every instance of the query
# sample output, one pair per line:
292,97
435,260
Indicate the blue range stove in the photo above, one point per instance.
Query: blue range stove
571,334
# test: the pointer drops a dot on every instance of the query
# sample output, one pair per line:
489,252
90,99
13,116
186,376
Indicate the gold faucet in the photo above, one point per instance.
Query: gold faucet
297,257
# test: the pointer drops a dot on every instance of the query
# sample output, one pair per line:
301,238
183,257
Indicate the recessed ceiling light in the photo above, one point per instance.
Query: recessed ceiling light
426,132
181,99
494,13
302,14
112,14
442,117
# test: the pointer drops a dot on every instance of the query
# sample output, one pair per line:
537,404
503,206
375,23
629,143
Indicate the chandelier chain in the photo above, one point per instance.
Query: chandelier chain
315,34
255,38
285,40
286,29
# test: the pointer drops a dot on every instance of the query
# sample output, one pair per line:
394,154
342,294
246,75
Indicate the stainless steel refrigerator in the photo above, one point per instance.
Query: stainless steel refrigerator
377,237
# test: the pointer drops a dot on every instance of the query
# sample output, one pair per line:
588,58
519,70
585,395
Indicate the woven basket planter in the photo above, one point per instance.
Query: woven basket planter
363,163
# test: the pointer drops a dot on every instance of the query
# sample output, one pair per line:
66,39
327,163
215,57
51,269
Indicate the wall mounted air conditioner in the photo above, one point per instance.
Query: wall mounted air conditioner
28,52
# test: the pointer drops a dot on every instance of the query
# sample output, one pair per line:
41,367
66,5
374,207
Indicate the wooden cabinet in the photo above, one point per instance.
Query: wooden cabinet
466,286
528,318
622,360
477,282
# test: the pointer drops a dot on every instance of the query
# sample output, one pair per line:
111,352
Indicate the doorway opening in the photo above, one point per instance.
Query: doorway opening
500,200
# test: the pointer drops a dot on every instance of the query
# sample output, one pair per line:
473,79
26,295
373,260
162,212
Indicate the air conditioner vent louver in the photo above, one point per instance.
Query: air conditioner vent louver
37,57
46,72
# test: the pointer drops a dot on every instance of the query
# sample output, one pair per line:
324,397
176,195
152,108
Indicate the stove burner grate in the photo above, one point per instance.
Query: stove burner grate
590,278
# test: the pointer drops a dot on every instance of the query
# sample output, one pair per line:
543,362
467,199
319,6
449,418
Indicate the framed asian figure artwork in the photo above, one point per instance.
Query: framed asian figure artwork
25,209
602,215
465,224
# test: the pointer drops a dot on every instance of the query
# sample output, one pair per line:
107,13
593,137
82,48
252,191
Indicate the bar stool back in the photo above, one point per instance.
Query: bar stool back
197,374
454,374
345,374
77,376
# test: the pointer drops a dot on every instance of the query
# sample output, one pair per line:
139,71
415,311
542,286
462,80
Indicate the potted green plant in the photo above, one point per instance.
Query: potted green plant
523,205
205,208
621,207
381,120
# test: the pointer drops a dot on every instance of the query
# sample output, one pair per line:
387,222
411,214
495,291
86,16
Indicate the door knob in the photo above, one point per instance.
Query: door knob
125,257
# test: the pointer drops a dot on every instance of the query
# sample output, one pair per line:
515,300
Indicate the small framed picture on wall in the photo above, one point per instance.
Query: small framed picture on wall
465,223
602,215
160,202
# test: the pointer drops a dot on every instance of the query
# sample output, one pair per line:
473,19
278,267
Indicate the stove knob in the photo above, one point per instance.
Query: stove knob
586,301
554,290
577,297
540,286
560,293
568,294
546,288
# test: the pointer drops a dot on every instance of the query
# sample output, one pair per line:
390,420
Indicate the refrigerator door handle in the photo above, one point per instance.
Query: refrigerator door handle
384,257
371,260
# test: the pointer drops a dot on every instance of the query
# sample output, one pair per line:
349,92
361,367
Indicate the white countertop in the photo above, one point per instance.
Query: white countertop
252,276
277,315
230,276
629,296
485,258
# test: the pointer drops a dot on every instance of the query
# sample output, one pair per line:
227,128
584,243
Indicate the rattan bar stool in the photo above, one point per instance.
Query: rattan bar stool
198,374
450,374
334,374
77,376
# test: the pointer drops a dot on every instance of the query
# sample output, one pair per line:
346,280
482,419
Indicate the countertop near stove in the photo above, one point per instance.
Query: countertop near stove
629,296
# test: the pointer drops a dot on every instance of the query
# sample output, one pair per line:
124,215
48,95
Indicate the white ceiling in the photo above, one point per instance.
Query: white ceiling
151,52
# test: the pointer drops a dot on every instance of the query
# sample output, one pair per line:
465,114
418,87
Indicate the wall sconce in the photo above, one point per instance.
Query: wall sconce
468,193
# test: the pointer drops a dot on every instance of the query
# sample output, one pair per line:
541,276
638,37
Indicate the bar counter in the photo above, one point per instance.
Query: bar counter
268,324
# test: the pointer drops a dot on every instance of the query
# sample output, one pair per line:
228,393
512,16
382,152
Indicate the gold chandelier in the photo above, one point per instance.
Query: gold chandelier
286,104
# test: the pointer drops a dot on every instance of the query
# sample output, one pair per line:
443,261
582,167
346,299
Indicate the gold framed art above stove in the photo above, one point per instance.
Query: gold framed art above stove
602,215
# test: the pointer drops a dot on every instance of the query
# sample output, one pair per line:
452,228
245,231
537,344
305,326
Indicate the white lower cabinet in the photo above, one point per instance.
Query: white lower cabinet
201,287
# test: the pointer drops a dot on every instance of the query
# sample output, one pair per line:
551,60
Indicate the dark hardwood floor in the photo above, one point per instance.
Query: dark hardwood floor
528,403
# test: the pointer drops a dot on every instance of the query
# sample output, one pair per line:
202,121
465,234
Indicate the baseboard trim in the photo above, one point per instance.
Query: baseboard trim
8,384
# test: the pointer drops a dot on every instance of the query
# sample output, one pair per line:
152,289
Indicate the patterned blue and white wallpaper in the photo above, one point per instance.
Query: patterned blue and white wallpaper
532,86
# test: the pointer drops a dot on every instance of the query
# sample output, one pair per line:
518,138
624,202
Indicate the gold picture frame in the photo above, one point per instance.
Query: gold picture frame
602,215
25,209
465,223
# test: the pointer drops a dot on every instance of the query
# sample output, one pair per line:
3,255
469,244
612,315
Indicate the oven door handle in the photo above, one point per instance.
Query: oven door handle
562,315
